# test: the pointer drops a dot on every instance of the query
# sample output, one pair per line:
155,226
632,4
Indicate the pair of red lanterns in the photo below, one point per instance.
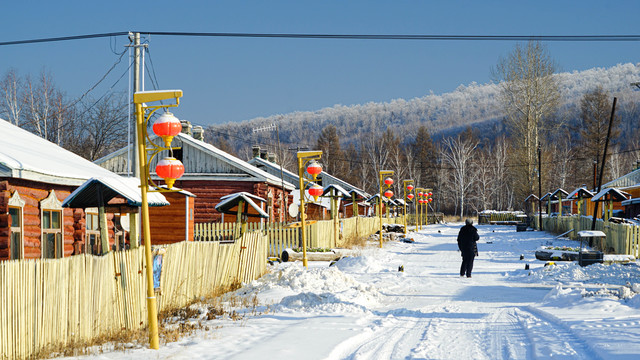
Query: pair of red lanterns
388,193
314,169
167,127
410,194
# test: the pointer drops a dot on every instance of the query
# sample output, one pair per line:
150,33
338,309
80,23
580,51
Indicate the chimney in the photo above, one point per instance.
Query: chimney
186,127
256,151
272,157
263,154
198,133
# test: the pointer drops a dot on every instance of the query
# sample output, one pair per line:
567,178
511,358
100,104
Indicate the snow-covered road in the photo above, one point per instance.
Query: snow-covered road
364,308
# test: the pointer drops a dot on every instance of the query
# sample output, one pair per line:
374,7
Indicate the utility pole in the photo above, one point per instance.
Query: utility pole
539,187
136,87
604,161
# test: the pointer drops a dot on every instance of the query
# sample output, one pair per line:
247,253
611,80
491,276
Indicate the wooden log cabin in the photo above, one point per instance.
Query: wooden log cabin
210,174
36,176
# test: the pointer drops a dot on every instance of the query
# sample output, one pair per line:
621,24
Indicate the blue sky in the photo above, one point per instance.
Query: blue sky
234,79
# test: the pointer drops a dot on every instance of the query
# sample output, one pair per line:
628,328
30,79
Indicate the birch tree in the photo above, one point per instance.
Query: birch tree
11,92
458,154
529,94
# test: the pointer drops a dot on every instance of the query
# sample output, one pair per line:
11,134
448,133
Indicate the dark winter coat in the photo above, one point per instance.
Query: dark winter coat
467,238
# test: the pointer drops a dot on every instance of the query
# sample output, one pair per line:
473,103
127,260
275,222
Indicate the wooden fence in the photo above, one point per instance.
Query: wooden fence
56,302
504,217
621,238
281,236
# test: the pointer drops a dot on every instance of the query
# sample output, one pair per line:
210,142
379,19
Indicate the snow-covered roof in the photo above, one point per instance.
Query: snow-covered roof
559,193
591,233
580,192
359,194
611,193
27,156
88,194
335,189
630,202
229,205
273,168
532,196
631,179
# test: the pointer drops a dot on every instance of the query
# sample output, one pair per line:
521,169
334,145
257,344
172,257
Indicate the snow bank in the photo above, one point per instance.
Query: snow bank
291,287
571,272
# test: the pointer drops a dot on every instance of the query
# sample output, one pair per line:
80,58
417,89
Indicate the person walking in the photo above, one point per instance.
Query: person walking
467,238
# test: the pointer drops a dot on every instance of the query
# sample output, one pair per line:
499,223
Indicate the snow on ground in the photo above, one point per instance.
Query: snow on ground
364,308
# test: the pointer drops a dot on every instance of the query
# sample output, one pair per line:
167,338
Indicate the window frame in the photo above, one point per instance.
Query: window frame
51,205
94,231
16,202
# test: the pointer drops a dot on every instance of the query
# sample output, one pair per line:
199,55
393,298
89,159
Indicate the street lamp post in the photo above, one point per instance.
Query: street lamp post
172,167
407,186
313,169
419,202
385,183
427,200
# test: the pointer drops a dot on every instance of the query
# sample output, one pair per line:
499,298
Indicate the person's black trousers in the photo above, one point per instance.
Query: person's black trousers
467,264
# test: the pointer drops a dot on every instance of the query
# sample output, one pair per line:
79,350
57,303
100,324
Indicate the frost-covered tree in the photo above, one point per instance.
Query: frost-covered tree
457,153
529,96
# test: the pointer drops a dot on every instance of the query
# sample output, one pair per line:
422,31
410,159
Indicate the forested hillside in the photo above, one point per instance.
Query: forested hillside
473,105
461,143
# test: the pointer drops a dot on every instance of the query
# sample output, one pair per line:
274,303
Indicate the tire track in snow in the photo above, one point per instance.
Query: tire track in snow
550,337
393,337
506,336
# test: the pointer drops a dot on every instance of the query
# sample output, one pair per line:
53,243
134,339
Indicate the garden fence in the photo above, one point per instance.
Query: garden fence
49,303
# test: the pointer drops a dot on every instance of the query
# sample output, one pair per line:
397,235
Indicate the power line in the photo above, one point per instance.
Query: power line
62,38
561,38
406,36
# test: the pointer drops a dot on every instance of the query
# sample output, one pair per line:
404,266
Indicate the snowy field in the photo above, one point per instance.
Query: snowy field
364,308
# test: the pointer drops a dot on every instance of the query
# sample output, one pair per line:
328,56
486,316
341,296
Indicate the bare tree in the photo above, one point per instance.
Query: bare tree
457,153
99,128
530,97
11,87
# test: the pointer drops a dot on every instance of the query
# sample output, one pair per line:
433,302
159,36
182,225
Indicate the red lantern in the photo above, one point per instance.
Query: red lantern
409,187
170,169
388,181
315,190
388,194
430,199
420,194
420,201
314,169
410,196
430,193
167,126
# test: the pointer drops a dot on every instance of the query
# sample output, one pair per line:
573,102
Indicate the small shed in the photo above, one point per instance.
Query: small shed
580,195
358,198
239,208
558,196
612,199
531,205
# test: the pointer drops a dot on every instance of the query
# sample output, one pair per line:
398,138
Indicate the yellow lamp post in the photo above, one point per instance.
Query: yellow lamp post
143,115
419,201
407,186
427,199
385,183
313,169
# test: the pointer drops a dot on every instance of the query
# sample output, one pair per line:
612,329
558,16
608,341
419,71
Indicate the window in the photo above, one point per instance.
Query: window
52,244
92,234
16,243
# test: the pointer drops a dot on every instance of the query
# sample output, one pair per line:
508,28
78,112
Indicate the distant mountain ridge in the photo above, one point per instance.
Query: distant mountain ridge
468,105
